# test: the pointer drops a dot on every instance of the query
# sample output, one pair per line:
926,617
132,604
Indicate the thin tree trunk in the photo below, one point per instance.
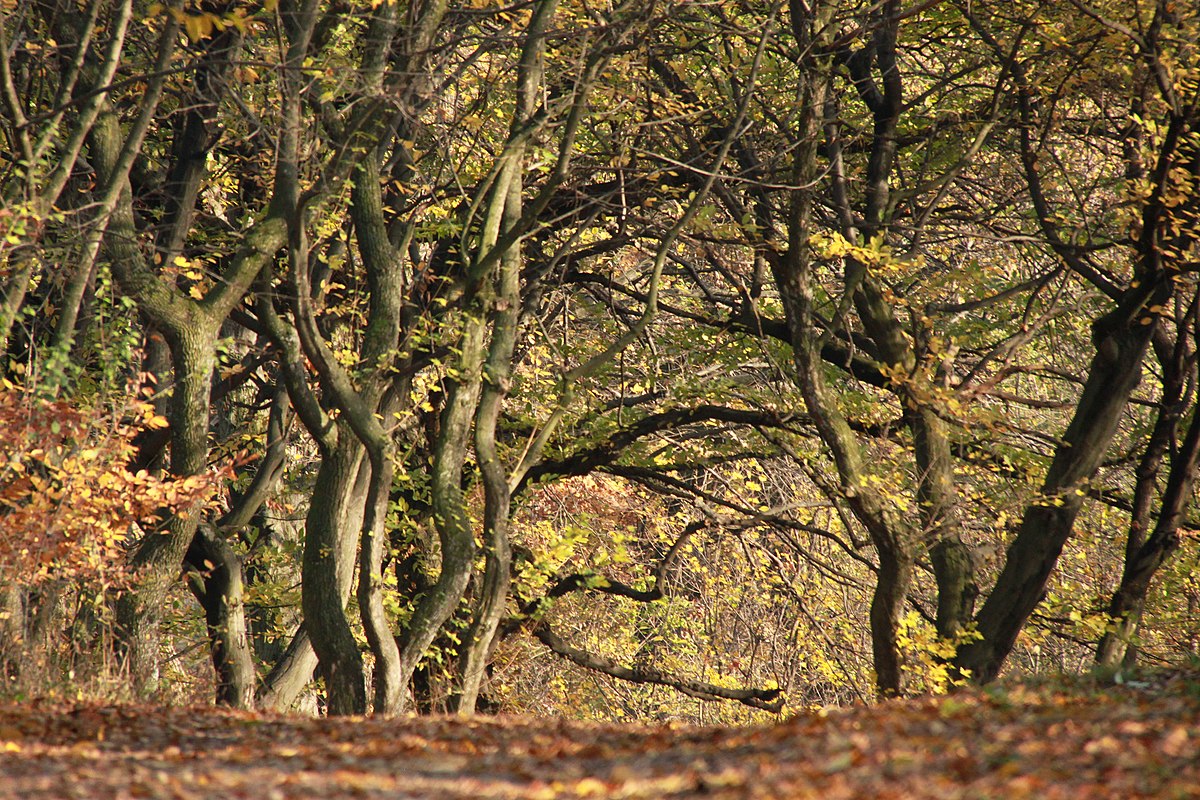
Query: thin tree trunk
794,277
14,288
1129,601
455,532
321,597
1048,521
505,214
389,687
222,596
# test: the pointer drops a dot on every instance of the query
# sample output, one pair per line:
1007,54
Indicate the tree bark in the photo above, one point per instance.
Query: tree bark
157,558
191,328
894,541
290,674
505,296
1129,600
221,593
455,532
1048,522
389,687
1120,338
322,597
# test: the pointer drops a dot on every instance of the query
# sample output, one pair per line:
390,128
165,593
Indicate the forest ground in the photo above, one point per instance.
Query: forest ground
1054,739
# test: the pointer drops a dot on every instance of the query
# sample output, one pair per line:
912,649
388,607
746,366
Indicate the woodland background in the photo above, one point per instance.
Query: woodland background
694,360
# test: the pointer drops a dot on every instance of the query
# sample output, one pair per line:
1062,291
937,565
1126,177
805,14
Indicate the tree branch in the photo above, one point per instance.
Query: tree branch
765,699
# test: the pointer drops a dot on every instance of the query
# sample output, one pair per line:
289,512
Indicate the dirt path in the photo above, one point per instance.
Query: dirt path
1046,743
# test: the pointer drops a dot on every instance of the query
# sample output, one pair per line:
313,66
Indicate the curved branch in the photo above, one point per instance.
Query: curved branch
579,582
607,451
765,699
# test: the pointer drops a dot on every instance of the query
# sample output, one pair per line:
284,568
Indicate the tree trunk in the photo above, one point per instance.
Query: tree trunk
506,321
222,596
1048,521
294,668
321,597
1129,601
953,564
493,596
191,330
291,673
887,605
389,687
157,559
455,532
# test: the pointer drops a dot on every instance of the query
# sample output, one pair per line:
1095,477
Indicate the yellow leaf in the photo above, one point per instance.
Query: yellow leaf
590,787
198,26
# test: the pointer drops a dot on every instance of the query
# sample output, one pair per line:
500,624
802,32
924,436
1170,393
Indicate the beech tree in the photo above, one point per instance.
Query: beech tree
875,192
436,241
1157,251
808,284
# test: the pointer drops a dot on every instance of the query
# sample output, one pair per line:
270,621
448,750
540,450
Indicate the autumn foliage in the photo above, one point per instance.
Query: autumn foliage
697,361
68,500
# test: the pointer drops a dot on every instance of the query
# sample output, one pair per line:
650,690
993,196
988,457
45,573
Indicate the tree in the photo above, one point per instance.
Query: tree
806,284
1160,246
830,201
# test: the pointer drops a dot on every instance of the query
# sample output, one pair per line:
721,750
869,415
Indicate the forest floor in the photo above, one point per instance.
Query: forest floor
1059,739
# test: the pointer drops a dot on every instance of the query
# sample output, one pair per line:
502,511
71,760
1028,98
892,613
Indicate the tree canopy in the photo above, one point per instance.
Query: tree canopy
602,359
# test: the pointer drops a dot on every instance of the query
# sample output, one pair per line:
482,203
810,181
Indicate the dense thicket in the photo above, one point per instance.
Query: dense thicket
580,358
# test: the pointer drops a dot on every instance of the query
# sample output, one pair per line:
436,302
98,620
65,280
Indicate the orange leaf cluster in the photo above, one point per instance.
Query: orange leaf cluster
68,501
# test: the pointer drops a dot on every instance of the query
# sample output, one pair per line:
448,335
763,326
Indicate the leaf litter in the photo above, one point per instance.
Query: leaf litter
1060,739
